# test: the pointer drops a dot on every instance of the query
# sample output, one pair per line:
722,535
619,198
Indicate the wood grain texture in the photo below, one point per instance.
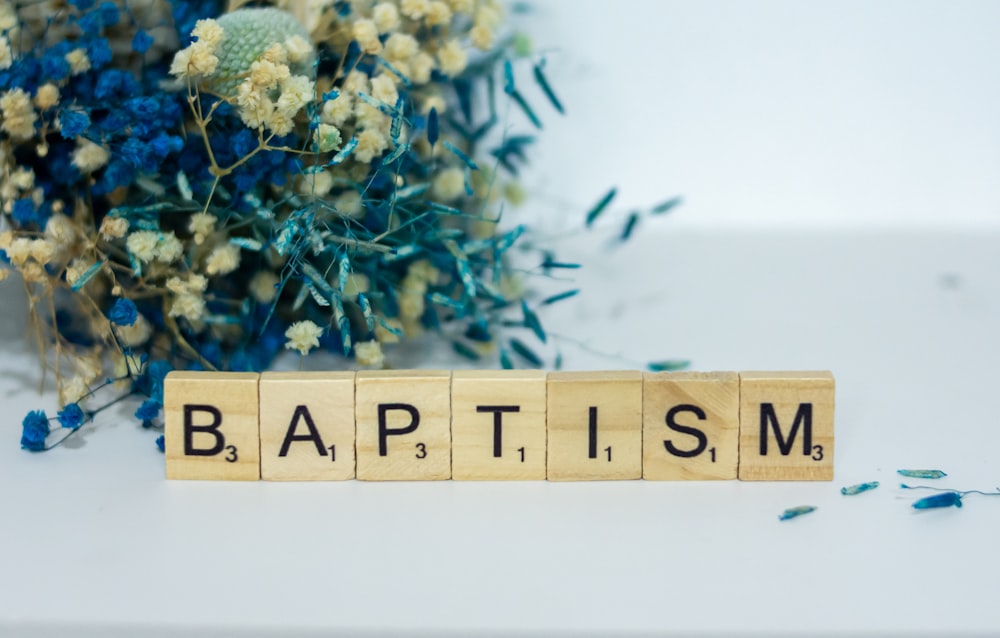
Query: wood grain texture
691,426
481,451
403,398
786,426
225,406
310,417
611,401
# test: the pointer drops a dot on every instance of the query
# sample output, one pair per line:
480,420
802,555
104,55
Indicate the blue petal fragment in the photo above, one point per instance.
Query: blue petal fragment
859,488
793,512
596,211
432,127
563,295
669,365
460,154
922,474
947,499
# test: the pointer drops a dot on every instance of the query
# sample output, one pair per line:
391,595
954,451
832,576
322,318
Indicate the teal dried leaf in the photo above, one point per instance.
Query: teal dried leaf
666,206
596,211
947,499
87,276
397,123
445,210
526,108
385,108
859,488
433,130
409,192
392,69
531,322
300,298
549,264
344,153
366,310
505,361
443,300
563,295
508,78
633,221
525,352
794,512
460,154
922,474
465,351
547,88
320,300
507,240
247,244
393,329
184,187
669,365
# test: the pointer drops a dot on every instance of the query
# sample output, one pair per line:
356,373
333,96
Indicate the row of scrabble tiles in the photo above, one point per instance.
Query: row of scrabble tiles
499,425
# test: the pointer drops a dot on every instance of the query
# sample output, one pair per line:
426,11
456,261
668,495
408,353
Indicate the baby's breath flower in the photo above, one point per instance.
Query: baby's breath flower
75,270
481,37
47,96
318,184
209,32
78,61
401,47
18,115
135,335
388,333
357,283
369,353
452,58
438,14
303,336
366,34
420,68
327,138
88,156
19,251
411,305
337,111
142,244
371,144
6,57
449,184
201,225
350,204
169,248
414,9
61,230
384,88
263,286
188,306
223,260
299,49
386,17
356,82
73,391
113,227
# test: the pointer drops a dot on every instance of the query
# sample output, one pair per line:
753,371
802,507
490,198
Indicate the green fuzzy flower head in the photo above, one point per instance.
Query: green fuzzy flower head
248,34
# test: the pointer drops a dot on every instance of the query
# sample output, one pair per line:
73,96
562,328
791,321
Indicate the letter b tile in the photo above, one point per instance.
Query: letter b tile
403,425
210,426
786,426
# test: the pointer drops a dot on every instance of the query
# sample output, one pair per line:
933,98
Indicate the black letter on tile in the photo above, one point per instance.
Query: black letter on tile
384,431
592,433
302,412
684,429
803,418
497,411
190,428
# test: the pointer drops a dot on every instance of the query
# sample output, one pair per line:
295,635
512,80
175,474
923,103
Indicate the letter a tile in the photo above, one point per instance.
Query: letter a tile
786,426
307,426
691,426
210,426
498,425
404,425
594,426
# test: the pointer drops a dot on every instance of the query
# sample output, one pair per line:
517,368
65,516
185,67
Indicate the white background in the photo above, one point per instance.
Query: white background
847,125
775,113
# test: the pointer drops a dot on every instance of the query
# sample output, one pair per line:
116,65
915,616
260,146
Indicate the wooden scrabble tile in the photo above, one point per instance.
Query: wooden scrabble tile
210,422
403,425
307,426
786,426
498,425
594,425
691,425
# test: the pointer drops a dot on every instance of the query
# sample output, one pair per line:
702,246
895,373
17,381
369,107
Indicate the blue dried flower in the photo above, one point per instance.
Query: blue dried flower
141,41
35,429
73,123
160,443
123,313
72,416
149,410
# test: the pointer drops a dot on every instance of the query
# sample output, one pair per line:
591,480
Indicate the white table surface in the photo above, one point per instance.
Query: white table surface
93,539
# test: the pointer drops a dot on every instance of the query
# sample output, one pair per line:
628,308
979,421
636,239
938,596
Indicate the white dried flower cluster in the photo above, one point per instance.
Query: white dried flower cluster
18,116
189,297
200,57
303,336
